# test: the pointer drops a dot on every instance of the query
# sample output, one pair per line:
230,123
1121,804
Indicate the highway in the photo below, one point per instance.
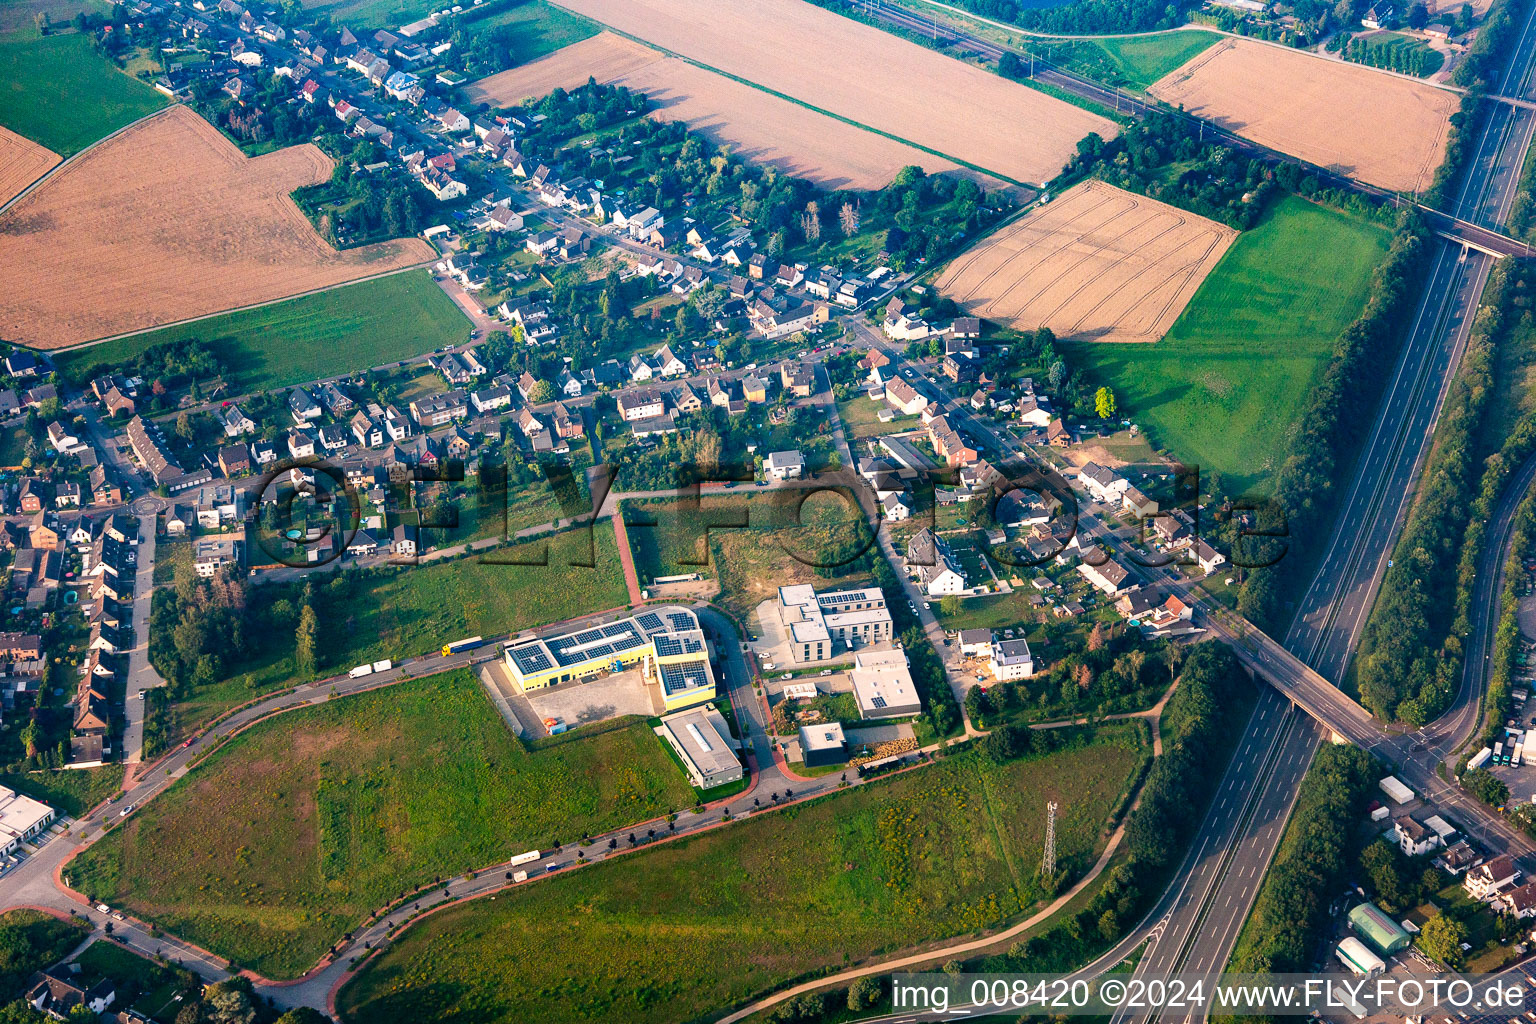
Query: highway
1195,925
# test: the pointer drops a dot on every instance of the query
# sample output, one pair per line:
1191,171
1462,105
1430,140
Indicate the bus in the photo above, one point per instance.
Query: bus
525,858
460,646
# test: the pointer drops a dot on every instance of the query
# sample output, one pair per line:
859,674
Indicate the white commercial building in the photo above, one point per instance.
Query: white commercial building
21,819
816,625
882,685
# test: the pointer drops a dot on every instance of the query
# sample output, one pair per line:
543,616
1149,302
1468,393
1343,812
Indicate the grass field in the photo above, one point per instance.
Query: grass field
1131,61
298,827
940,851
374,13
32,940
416,609
60,93
322,335
539,28
1225,387
72,791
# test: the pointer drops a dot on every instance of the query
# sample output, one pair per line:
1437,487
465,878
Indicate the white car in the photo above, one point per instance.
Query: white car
125,811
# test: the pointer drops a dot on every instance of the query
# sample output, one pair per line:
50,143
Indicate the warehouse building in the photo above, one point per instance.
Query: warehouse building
818,625
1360,960
882,685
1378,930
698,735
666,642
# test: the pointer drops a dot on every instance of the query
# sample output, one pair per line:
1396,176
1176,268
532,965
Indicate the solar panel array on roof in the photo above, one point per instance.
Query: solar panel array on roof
682,620
628,643
667,645
650,622
679,678
878,702
530,659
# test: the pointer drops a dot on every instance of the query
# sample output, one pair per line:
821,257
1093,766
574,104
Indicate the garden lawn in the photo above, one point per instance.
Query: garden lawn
282,841
60,93
1133,61
327,334
861,418
691,927
1225,389
69,791
413,610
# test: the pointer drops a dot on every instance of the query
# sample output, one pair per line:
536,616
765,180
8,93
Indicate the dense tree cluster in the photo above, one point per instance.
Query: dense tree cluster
197,629
1311,864
1336,415
357,207
1212,180
1410,655
1393,56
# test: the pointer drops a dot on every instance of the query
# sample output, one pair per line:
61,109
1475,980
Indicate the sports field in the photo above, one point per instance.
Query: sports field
1227,384
1131,61
685,929
63,95
309,338
204,232
1096,264
282,841
867,76
1380,128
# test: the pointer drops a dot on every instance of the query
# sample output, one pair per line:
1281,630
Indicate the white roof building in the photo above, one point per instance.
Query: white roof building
882,685
21,818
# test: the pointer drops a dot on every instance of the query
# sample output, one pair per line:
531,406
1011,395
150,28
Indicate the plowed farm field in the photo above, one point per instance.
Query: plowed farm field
1379,128
1097,264
22,162
604,57
165,222
756,125
860,73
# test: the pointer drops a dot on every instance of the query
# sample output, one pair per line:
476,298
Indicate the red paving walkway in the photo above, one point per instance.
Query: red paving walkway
631,578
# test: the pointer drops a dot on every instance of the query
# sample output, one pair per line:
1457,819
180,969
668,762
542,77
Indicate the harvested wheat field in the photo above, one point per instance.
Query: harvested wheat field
22,162
860,73
168,221
765,129
604,57
1353,120
1098,264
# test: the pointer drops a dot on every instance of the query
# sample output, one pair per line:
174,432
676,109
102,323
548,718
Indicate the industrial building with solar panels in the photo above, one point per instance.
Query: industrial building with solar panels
667,642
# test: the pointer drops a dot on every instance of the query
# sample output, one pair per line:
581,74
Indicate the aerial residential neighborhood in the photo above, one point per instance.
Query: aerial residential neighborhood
672,511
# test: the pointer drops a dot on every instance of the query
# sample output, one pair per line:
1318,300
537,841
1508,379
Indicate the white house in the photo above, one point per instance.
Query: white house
784,466
1103,484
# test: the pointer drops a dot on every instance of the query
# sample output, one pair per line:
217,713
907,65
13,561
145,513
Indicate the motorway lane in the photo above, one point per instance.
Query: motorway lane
1450,731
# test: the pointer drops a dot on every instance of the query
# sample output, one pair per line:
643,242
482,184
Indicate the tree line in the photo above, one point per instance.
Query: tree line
1409,660
1316,856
